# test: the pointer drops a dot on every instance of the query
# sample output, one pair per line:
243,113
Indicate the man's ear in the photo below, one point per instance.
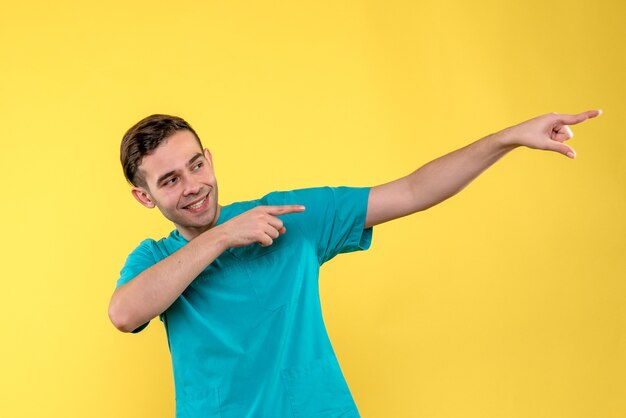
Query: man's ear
208,156
143,197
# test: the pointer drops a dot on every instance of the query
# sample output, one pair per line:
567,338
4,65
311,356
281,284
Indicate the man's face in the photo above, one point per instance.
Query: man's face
180,181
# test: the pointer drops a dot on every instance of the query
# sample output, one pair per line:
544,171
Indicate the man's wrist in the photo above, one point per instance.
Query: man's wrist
218,237
505,140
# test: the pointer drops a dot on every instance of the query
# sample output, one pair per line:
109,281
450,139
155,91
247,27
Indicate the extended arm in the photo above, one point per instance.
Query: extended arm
446,176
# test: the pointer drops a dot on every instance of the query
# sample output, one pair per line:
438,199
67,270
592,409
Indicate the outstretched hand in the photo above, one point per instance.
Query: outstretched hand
548,132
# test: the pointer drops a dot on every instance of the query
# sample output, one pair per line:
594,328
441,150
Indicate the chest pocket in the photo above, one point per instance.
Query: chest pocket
205,405
318,389
276,272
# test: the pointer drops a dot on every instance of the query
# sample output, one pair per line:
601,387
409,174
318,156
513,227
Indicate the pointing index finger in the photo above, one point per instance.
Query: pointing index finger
284,209
581,117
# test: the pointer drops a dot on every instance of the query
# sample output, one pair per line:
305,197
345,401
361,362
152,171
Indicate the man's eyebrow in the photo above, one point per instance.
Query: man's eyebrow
169,173
164,176
195,157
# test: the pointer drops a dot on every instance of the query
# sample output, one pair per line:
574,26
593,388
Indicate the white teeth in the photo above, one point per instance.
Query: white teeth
197,205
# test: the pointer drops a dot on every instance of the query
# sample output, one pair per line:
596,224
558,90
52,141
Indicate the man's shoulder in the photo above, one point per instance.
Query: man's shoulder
159,248
311,196
144,246
284,197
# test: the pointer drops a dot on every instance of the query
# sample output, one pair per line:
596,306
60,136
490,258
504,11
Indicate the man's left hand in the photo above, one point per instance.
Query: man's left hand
547,132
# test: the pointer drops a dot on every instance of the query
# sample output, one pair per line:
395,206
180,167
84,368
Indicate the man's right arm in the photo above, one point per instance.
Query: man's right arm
154,290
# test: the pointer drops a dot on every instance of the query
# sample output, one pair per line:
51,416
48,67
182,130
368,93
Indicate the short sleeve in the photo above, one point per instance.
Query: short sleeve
137,261
334,218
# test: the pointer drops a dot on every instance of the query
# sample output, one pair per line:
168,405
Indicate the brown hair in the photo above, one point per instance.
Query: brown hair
143,138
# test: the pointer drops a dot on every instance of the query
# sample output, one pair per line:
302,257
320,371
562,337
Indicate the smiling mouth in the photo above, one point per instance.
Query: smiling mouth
198,204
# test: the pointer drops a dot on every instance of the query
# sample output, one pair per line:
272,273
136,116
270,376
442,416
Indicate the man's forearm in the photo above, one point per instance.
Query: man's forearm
155,289
444,177
435,181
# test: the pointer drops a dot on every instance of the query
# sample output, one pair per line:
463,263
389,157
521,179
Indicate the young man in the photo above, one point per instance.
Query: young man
236,286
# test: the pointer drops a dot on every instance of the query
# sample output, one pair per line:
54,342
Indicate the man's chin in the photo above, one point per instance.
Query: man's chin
201,221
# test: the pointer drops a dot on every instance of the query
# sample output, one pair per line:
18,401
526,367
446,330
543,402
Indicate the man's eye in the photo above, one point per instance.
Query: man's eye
170,181
197,166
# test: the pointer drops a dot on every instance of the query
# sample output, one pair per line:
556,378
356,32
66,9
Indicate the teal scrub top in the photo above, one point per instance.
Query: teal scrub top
247,337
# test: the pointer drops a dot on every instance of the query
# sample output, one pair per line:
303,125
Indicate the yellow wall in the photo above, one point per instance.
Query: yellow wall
506,301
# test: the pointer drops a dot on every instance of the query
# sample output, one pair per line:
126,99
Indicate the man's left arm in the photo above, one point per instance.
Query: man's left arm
446,176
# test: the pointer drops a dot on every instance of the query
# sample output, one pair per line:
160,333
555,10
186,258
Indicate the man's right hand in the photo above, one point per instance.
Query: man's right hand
260,224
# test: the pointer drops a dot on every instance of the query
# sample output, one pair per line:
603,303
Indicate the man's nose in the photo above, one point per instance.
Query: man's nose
191,186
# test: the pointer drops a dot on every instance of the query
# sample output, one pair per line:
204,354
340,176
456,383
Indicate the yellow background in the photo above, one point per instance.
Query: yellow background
506,301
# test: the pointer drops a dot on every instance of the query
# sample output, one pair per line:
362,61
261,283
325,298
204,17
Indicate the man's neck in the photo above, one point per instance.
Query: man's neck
192,232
